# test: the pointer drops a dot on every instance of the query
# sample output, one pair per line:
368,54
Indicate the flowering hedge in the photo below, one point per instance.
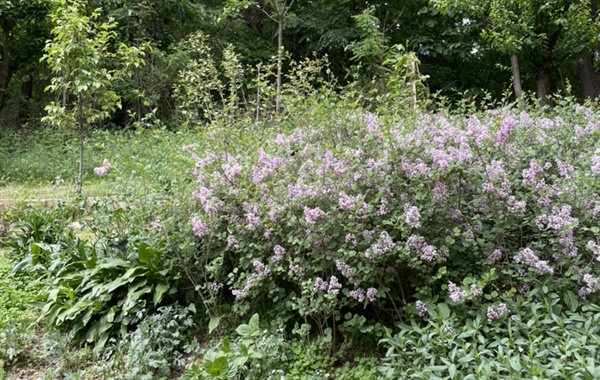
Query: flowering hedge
356,216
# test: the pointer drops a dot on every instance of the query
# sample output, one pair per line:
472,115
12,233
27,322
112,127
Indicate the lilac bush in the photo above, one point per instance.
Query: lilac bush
365,215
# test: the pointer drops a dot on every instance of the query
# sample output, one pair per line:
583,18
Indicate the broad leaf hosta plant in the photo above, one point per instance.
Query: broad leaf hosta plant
357,215
97,296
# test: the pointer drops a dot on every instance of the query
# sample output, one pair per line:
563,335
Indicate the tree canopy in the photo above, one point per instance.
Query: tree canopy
466,46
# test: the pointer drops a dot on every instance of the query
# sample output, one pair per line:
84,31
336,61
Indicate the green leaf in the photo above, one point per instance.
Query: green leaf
159,291
145,253
217,367
213,324
570,300
452,371
444,310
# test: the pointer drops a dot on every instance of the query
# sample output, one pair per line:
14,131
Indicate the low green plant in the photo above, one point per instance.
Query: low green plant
16,341
97,293
524,339
255,353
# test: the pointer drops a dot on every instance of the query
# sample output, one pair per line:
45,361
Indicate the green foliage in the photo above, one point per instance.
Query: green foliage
538,339
80,58
254,354
16,337
97,293
372,46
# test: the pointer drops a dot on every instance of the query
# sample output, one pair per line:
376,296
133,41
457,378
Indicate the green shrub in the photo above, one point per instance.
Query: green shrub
534,340
353,214
255,353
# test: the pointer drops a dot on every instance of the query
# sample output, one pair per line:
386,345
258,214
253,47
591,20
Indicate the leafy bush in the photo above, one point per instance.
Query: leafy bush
254,354
98,294
356,214
533,340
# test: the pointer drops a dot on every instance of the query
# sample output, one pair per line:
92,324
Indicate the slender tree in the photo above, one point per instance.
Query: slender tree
79,56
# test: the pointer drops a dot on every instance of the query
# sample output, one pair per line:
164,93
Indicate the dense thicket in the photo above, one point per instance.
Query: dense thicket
468,47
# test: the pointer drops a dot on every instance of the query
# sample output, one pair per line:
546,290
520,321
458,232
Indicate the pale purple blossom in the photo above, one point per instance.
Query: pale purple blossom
495,313
320,285
476,291
516,207
347,202
596,162
428,253
371,294
533,176
157,225
265,167
456,293
383,207
448,330
101,171
296,270
334,285
385,243
311,215
524,289
529,258
345,269
421,308
591,285
495,256
232,242
358,294
278,256
595,248
215,287
412,217
260,269
351,238
199,228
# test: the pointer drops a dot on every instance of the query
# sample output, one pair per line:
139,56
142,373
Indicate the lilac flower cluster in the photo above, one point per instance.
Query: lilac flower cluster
312,215
216,286
495,256
347,202
421,308
417,244
101,171
157,225
358,294
199,228
345,269
278,256
412,217
383,245
591,285
260,270
232,242
596,163
456,293
595,248
495,313
529,258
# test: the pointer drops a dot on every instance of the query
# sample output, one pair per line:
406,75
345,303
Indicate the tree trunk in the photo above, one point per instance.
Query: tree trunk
279,62
4,67
81,129
543,88
590,78
516,72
